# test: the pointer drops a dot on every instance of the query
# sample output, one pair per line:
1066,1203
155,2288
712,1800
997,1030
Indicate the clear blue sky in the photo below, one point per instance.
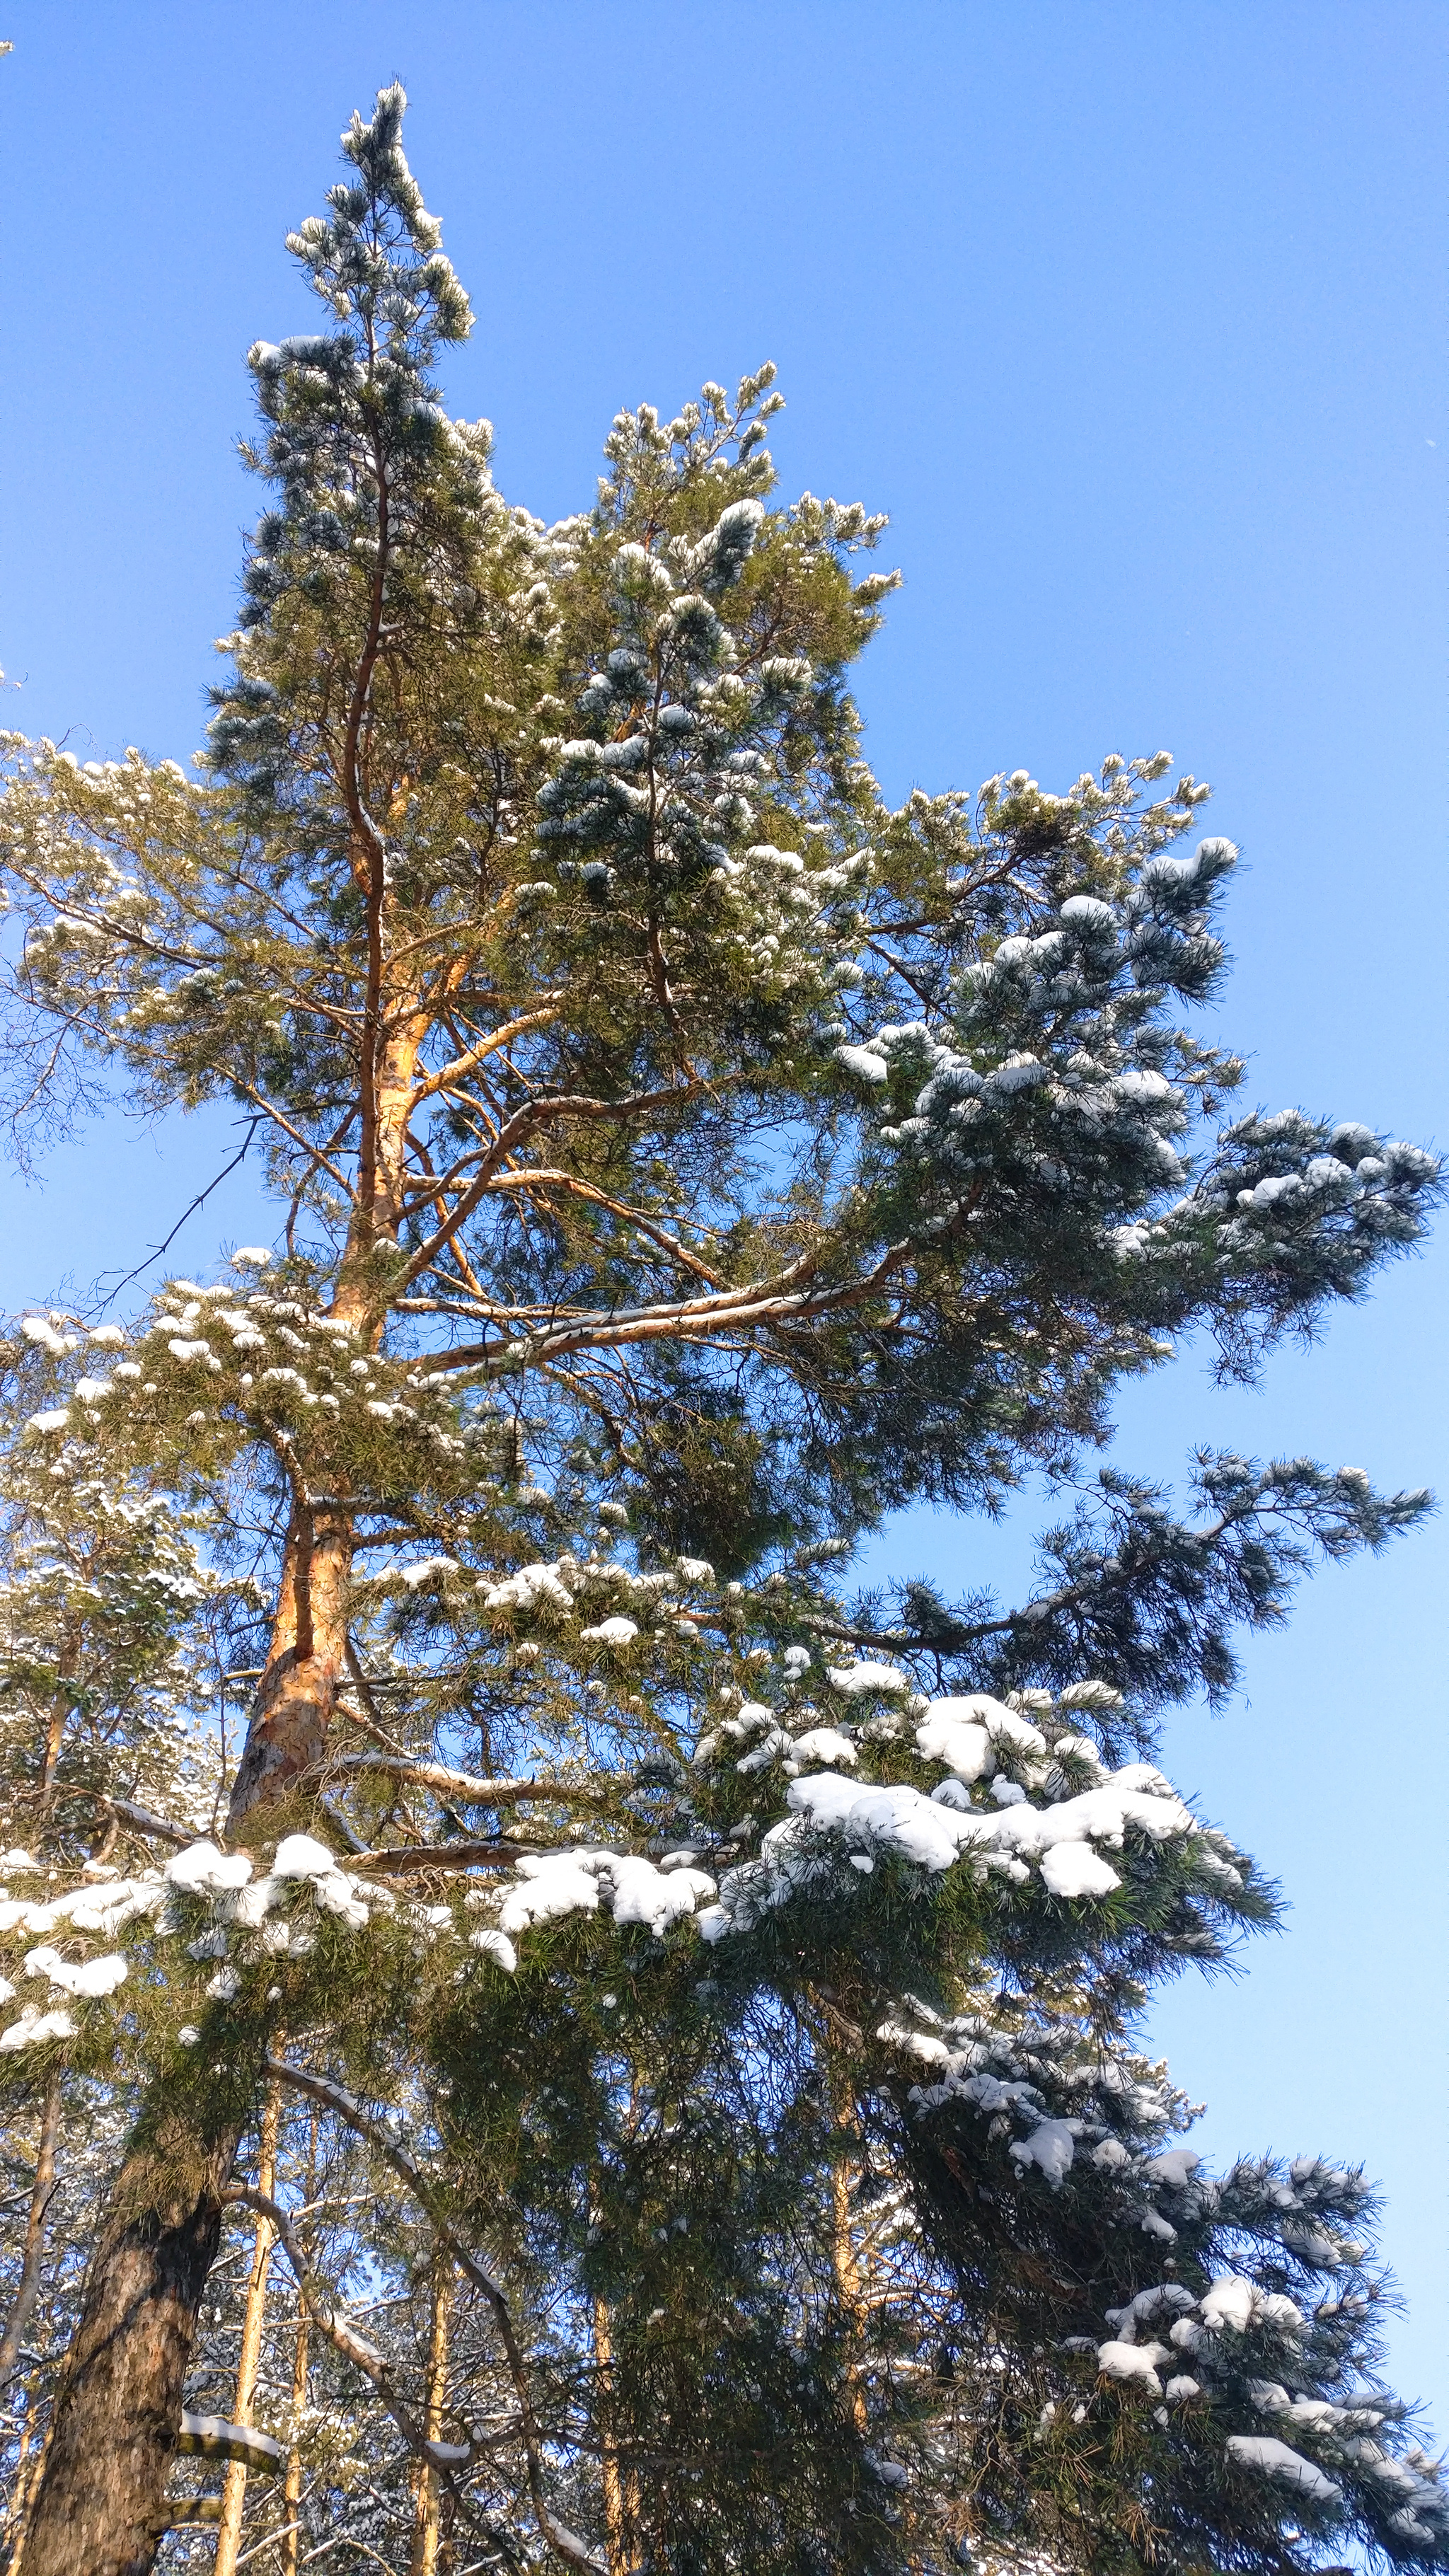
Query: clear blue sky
1133,317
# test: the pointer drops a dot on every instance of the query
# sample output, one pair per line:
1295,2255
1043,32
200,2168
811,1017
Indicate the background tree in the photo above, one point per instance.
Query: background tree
686,1159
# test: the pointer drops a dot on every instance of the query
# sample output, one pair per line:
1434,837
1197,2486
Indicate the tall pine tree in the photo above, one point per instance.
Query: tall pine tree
689,2006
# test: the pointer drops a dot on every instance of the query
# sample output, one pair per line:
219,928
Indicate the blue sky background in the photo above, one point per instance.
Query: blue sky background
1133,317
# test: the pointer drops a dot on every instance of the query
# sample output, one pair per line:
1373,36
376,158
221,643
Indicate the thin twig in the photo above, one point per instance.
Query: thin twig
198,1202
564,2543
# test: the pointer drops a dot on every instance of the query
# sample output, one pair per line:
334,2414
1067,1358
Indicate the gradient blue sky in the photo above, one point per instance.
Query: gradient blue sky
1133,317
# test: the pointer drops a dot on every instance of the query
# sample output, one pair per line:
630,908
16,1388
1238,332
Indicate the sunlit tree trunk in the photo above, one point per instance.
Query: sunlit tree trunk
234,2489
845,2260
621,2487
15,2509
306,1662
33,2252
427,2523
292,2482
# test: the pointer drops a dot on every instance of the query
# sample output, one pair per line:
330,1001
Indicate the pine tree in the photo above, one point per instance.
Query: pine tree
694,2005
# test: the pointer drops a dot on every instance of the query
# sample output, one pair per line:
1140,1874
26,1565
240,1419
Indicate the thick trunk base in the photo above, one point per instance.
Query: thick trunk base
100,2509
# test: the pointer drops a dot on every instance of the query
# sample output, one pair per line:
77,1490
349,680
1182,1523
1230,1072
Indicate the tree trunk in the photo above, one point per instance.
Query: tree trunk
621,2487
100,2506
849,2287
20,2315
62,1701
306,1661
426,2518
234,2487
10,2531
101,2503
292,2486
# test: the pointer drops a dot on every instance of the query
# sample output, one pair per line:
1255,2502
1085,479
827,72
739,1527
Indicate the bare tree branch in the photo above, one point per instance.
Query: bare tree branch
564,2543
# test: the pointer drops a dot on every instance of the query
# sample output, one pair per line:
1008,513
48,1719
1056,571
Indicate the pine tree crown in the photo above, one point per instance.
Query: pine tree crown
686,1158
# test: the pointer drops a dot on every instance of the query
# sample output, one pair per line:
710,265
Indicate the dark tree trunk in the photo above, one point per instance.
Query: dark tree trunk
100,2506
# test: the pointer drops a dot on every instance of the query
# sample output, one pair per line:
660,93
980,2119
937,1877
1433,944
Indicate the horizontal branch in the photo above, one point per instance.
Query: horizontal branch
408,1859
689,1319
474,1790
191,2512
953,1634
210,2437
141,1821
